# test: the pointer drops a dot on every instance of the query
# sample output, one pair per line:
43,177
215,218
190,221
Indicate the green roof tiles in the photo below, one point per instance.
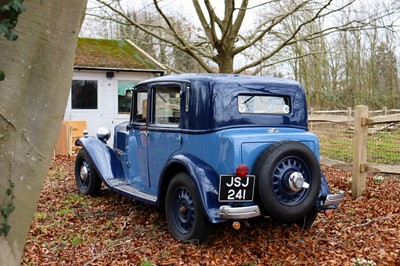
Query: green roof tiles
113,54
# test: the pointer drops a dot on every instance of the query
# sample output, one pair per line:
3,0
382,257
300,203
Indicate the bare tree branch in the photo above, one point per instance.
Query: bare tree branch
222,38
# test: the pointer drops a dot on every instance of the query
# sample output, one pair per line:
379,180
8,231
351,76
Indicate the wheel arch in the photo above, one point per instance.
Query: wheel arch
169,172
204,178
105,161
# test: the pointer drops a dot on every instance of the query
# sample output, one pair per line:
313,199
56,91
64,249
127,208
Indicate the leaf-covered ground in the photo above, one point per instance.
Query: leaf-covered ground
70,229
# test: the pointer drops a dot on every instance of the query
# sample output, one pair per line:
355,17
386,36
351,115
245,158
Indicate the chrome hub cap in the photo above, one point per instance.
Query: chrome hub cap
84,172
296,182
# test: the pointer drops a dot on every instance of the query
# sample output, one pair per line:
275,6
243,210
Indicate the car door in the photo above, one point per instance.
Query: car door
164,130
136,166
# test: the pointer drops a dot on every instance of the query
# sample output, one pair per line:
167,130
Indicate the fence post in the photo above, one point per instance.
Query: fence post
349,111
360,150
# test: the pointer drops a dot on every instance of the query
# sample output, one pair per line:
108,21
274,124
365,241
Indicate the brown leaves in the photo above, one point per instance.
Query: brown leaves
114,230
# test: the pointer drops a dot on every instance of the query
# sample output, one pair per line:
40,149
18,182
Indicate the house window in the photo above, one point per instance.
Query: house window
84,94
124,98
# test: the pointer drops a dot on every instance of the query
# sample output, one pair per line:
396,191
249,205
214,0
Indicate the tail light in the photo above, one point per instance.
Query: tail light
242,170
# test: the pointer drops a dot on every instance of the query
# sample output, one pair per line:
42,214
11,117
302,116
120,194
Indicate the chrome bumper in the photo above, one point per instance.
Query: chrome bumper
334,199
229,212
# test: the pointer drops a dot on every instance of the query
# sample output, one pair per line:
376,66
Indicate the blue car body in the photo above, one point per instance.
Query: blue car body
209,136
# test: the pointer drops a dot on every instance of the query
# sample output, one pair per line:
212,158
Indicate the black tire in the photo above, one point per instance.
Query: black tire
86,177
307,220
184,210
279,197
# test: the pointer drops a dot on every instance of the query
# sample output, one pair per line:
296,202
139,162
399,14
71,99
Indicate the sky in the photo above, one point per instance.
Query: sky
177,6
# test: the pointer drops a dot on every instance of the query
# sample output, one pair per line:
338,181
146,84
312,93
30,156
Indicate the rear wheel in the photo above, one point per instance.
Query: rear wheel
288,180
184,210
86,177
307,221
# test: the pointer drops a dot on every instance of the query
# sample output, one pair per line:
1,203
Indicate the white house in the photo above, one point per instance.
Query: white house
103,70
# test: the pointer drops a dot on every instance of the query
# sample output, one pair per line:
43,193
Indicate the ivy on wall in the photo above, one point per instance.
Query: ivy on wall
9,13
7,210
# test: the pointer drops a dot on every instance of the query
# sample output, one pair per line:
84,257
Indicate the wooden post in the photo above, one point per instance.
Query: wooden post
360,150
349,111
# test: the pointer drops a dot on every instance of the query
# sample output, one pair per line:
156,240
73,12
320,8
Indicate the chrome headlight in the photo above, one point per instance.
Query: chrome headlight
103,134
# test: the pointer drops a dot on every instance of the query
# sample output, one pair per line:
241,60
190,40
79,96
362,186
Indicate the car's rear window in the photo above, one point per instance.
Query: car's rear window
263,104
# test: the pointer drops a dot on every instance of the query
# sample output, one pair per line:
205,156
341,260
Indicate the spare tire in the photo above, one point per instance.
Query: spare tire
288,180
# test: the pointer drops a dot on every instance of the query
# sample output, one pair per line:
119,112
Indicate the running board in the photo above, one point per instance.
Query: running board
124,188
131,191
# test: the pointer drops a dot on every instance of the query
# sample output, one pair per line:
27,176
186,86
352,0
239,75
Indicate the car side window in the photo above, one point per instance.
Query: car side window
140,107
166,107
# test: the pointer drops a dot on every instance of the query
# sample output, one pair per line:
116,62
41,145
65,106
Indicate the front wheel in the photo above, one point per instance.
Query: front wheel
184,211
87,180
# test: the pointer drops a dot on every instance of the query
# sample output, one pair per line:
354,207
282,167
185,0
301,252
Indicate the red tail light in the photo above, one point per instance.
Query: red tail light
242,170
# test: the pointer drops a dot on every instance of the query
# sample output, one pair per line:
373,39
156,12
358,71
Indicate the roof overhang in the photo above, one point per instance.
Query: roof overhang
158,71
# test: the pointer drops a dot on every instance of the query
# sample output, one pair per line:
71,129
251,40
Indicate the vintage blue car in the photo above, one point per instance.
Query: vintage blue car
210,148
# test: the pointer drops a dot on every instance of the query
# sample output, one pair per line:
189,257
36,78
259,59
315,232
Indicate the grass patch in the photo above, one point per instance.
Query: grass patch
40,215
336,142
63,211
75,198
146,263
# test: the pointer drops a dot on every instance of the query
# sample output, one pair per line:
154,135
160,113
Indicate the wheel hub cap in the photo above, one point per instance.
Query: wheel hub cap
84,173
183,210
296,182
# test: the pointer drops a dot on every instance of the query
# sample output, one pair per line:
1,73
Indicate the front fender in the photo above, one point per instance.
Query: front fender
206,181
106,162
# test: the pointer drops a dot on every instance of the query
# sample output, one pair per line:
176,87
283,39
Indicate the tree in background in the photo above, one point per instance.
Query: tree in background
342,69
38,71
330,46
221,38
102,24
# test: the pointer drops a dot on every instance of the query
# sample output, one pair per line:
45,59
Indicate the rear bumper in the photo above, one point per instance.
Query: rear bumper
229,212
334,199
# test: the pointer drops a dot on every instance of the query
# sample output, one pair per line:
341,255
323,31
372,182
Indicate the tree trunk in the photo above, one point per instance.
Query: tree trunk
38,70
225,63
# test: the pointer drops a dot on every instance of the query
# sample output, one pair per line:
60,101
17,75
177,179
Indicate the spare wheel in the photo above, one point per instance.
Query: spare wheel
288,179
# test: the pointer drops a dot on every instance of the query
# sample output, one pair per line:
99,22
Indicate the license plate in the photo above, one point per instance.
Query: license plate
235,188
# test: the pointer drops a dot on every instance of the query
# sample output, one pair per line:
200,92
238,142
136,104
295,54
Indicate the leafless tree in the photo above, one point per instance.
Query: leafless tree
222,38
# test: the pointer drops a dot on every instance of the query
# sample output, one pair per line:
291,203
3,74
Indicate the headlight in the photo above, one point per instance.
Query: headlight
103,134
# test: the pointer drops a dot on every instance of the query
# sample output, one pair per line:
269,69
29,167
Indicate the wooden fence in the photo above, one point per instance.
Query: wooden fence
360,121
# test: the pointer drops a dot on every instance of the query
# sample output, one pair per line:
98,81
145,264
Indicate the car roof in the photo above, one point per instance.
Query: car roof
214,108
224,78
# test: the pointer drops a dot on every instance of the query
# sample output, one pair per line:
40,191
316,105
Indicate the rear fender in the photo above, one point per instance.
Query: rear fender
324,186
106,162
204,178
